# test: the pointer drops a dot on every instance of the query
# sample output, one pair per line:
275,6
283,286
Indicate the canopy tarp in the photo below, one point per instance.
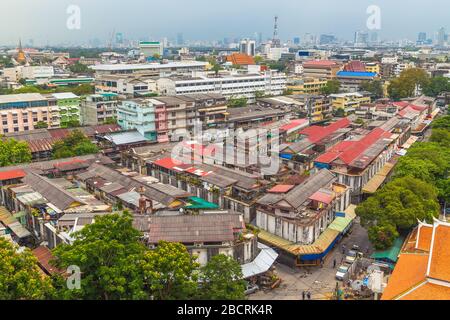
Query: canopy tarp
391,254
199,203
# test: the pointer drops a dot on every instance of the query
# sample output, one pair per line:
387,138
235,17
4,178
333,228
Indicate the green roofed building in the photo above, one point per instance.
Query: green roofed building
196,203
390,255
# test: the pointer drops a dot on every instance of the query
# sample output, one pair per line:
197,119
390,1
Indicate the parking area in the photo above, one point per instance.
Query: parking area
319,281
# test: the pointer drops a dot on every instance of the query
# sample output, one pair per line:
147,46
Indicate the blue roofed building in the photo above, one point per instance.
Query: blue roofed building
351,80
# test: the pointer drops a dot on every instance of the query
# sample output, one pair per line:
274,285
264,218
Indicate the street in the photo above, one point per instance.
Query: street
319,281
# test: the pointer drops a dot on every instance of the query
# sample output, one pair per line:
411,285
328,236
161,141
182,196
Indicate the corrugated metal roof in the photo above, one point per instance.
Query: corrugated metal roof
262,262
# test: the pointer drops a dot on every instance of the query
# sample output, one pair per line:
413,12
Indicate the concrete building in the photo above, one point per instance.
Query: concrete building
22,112
351,81
99,109
247,47
321,69
69,108
138,114
150,69
306,85
349,102
231,85
151,48
295,219
131,86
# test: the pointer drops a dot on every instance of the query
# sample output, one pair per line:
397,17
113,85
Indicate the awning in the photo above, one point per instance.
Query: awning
391,254
9,221
378,179
340,224
262,262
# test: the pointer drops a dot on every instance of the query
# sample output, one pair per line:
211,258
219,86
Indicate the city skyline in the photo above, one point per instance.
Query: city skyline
202,21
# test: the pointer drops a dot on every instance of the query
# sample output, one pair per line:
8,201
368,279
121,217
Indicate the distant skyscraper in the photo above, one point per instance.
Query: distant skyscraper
180,40
297,41
327,39
374,37
276,43
361,38
247,46
260,38
421,38
119,38
441,37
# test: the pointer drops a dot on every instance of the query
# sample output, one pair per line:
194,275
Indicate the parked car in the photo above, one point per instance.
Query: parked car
351,256
342,272
251,288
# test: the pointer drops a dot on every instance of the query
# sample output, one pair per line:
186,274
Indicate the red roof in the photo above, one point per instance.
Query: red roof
355,66
12,174
281,188
317,133
168,163
347,151
293,124
241,59
320,63
322,197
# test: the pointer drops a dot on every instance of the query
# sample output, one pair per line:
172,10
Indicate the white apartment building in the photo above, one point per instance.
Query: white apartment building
129,86
248,47
28,72
231,86
150,69
389,60
400,67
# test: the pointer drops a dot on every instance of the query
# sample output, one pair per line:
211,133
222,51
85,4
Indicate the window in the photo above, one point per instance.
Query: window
16,129
5,130
25,120
5,123
174,122
25,128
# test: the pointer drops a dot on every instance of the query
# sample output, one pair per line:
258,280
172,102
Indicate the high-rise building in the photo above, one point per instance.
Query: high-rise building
374,37
422,38
248,47
180,40
297,41
361,38
327,39
441,37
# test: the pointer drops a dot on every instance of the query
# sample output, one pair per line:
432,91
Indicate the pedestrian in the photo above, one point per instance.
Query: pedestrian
309,295
303,294
334,263
343,248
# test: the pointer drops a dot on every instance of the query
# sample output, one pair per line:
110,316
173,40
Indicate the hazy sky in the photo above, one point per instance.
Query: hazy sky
45,20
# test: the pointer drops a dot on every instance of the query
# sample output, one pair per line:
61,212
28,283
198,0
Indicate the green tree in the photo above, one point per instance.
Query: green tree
375,87
400,203
331,87
221,279
405,85
441,136
436,86
258,59
14,152
83,89
339,112
170,272
75,144
41,125
79,68
110,255
237,102
382,236
20,277
442,123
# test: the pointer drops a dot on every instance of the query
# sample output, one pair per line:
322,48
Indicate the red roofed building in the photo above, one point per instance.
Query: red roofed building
11,175
355,66
358,160
321,69
422,271
241,59
317,133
